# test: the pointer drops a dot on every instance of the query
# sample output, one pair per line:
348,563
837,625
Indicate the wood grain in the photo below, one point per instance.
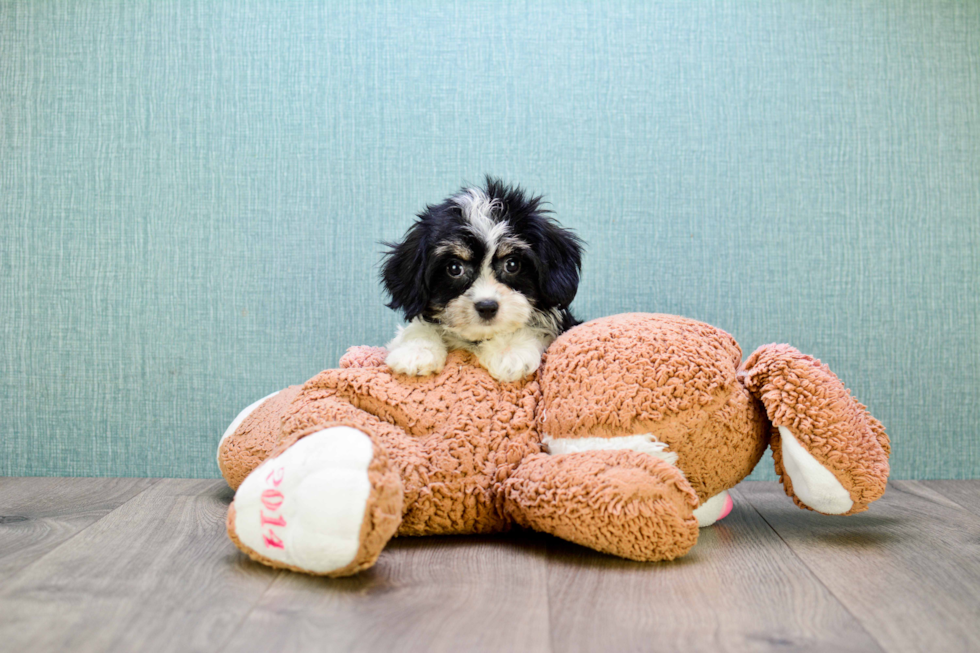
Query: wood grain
156,574
739,589
908,569
964,493
424,594
38,514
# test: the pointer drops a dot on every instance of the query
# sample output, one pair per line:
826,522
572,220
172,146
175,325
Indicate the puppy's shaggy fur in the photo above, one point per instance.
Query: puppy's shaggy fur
487,270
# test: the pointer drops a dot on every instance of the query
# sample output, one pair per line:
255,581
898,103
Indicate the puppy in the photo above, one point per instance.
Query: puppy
487,270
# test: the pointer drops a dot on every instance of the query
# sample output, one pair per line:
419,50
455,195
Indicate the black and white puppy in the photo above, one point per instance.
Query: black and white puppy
488,270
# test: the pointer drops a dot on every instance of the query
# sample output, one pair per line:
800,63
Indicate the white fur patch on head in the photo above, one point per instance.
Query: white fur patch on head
480,212
514,310
643,442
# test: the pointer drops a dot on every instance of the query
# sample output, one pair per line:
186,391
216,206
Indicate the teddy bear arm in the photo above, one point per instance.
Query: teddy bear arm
830,454
251,436
616,501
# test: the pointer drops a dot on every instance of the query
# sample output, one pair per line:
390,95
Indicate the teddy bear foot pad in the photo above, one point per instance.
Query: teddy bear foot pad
714,509
304,509
813,484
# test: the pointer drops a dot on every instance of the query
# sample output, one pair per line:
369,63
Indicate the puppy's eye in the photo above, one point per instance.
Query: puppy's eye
454,269
512,266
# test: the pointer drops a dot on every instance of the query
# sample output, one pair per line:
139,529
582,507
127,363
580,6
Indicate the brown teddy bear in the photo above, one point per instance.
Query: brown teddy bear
626,440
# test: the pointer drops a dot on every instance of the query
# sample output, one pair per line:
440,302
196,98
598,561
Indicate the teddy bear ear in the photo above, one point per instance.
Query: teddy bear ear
403,273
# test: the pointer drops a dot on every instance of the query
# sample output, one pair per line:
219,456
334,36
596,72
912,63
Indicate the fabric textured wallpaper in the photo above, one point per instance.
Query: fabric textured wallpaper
192,195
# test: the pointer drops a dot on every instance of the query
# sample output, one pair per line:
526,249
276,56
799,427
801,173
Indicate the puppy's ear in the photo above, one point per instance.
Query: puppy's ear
559,263
403,272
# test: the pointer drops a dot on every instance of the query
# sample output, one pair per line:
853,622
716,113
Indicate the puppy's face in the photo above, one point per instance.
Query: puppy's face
486,261
482,281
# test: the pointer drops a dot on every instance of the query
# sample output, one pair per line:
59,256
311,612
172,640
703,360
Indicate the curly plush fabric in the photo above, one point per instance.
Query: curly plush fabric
246,447
458,452
802,394
592,498
453,436
664,375
382,513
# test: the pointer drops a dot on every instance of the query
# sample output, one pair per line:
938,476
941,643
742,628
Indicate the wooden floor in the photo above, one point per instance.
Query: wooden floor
144,565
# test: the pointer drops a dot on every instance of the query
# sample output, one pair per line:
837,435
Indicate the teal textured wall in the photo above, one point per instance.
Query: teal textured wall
191,195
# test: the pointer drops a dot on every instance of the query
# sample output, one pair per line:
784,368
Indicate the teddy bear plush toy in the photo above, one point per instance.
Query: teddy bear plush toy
625,440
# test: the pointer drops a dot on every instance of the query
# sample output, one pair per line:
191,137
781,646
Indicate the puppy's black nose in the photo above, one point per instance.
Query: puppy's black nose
487,308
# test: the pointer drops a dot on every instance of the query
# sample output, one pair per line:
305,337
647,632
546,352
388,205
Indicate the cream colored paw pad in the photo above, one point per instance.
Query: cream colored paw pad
813,484
305,507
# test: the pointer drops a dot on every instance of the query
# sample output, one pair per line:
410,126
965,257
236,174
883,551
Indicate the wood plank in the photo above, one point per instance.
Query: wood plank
908,569
424,594
739,589
39,513
156,574
964,493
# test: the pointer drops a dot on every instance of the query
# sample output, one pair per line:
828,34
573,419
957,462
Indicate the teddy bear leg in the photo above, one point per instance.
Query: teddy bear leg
325,504
617,501
829,452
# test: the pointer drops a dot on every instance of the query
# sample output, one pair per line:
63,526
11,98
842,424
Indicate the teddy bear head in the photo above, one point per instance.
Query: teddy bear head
658,383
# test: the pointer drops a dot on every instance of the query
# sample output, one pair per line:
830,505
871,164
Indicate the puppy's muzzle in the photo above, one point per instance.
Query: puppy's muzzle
486,308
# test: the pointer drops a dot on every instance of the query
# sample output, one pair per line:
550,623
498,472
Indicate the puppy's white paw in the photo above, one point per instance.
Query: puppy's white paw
417,357
510,363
